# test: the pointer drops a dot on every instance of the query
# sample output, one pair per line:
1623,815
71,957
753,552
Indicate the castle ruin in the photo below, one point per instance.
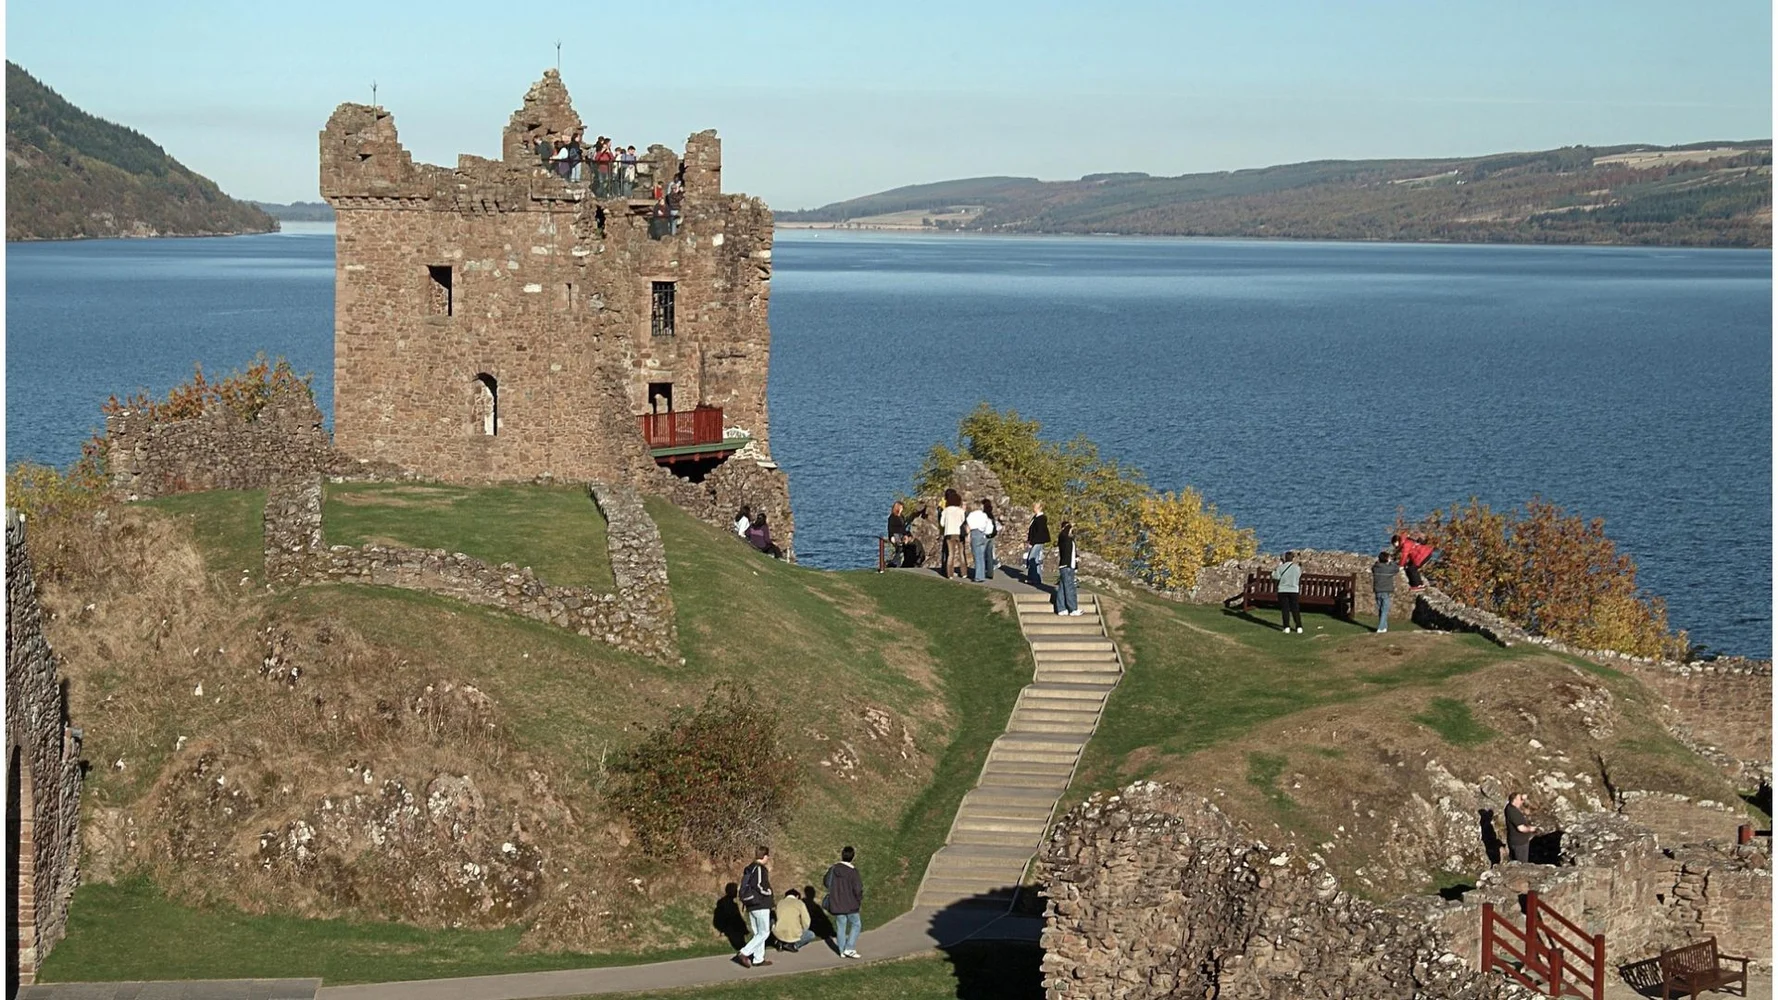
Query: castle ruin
501,322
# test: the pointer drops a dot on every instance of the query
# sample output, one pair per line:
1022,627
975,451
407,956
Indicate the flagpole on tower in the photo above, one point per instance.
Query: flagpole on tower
373,93
558,56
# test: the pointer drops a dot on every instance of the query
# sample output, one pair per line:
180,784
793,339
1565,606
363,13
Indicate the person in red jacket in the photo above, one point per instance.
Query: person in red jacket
1411,555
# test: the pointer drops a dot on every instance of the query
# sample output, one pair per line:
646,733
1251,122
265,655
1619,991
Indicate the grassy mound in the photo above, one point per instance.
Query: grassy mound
426,735
1368,748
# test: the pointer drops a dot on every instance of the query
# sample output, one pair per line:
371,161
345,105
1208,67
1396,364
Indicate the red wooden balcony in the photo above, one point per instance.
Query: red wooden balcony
682,435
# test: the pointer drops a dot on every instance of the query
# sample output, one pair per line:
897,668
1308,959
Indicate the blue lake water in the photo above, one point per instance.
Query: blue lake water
1308,389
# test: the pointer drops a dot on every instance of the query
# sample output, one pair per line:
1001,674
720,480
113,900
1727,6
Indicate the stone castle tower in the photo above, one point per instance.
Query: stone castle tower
497,321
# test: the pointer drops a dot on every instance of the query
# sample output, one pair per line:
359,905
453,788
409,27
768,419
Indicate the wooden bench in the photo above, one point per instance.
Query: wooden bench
1696,968
1316,590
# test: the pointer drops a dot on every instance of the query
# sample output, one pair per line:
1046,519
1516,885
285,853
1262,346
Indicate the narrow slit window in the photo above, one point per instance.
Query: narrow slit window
486,413
662,316
567,296
439,289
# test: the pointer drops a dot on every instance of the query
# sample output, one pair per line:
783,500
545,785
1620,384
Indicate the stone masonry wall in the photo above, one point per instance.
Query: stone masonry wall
1153,895
639,616
757,484
219,450
543,352
45,769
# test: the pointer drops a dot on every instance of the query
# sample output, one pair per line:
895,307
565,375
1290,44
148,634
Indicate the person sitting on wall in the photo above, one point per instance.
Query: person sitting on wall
759,535
1412,555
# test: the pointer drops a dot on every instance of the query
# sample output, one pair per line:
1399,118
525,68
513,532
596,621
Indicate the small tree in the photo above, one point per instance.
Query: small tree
39,491
244,392
710,781
1555,573
1180,535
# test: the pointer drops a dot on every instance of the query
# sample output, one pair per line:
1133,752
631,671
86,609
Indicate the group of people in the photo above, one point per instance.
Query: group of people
613,167
785,919
1409,554
752,527
975,522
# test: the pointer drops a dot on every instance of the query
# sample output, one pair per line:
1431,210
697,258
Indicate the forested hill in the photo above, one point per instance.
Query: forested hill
1704,194
70,175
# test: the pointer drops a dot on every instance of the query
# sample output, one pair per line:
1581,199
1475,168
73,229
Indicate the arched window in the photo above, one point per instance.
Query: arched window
486,389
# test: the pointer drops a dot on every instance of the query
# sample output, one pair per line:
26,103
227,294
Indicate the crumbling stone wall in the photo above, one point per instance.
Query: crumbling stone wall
1721,709
218,450
44,770
550,303
1154,894
756,483
639,616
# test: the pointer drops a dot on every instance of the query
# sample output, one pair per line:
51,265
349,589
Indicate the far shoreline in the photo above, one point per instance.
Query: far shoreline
976,233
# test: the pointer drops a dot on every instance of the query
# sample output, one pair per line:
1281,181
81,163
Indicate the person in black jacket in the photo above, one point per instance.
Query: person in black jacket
756,898
845,897
897,534
1518,828
1067,596
1036,537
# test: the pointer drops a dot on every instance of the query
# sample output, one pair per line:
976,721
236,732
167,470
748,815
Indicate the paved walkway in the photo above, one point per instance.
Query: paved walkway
195,989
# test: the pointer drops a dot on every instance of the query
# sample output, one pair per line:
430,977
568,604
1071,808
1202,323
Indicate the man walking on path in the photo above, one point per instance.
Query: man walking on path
845,897
980,526
1289,576
792,929
756,898
1383,582
1413,555
1036,537
1518,828
1067,558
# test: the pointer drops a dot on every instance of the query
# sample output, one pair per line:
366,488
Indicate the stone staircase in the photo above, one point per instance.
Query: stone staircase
1002,821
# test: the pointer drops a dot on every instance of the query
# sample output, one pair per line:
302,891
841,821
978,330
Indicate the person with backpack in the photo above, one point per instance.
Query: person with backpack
756,899
1036,537
993,529
1290,576
1067,558
845,897
1383,584
981,525
1412,555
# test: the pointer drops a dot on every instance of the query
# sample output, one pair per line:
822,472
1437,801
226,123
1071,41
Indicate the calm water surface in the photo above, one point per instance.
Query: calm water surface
1309,389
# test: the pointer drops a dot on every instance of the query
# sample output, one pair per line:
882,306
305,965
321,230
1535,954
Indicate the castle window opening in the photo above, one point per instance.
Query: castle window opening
486,404
439,291
567,297
661,322
660,397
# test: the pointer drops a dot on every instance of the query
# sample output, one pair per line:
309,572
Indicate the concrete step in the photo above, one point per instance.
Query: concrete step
1093,694
1045,767
1020,838
1080,729
938,893
1051,784
1101,651
1039,614
969,818
977,811
1025,598
1050,710
1057,675
1063,628
1000,797
1063,756
1041,644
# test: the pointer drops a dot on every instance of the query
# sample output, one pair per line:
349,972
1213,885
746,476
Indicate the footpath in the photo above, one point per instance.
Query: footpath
965,896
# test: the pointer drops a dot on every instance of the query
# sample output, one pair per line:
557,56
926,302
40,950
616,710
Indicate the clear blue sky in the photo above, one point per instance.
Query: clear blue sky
822,101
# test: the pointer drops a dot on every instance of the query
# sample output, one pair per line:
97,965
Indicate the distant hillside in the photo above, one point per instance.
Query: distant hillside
297,211
70,175
1704,194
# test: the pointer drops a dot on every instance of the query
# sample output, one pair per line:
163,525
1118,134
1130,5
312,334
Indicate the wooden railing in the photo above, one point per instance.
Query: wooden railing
682,427
1549,955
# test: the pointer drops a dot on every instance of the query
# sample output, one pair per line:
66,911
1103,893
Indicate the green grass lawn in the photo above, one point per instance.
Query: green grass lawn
947,660
228,526
556,530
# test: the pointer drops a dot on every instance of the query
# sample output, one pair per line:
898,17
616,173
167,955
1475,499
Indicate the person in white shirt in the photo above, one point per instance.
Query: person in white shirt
980,526
950,525
743,522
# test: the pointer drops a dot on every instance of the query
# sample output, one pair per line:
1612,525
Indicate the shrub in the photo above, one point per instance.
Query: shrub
1555,573
1115,513
40,491
711,781
1180,535
244,392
